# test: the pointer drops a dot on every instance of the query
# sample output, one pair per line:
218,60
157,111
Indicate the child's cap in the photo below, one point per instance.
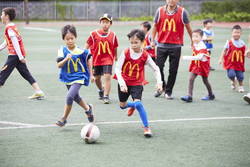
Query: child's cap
106,16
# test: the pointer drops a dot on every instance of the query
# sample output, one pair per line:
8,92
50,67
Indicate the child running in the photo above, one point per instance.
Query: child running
17,55
130,74
199,66
233,59
146,26
103,44
76,65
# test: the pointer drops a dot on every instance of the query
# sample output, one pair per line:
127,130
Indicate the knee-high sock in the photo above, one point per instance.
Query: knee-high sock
142,113
129,104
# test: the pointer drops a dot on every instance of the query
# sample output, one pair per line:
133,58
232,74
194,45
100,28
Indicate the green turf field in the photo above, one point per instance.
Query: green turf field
200,134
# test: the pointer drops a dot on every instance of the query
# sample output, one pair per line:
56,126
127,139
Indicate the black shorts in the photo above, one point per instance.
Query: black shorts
100,70
134,91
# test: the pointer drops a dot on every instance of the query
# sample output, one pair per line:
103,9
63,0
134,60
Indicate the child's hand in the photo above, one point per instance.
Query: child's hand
220,61
152,44
248,53
68,56
92,78
124,88
23,60
159,87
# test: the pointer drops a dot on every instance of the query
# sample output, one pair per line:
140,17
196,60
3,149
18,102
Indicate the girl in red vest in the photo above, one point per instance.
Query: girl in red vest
233,59
17,56
200,65
130,75
103,45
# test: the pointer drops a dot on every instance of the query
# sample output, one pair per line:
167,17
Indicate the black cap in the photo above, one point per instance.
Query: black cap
106,16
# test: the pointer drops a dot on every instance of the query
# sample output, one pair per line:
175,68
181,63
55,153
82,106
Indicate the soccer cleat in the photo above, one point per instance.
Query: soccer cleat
241,89
147,132
247,98
130,111
101,94
187,99
106,100
89,113
61,123
38,96
158,93
168,96
206,98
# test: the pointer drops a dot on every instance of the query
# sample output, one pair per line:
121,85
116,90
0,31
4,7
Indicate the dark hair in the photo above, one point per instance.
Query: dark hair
207,21
199,31
11,12
68,29
138,33
236,27
147,25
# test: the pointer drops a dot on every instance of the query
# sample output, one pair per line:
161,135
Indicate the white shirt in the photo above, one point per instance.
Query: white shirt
237,43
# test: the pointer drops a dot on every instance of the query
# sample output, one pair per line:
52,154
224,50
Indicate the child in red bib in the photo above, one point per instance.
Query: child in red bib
130,75
233,59
103,45
200,65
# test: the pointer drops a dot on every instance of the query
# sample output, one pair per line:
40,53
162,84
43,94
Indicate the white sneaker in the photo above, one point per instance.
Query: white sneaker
247,98
241,89
168,97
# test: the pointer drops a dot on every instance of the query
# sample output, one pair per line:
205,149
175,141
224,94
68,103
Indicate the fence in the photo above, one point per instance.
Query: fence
90,10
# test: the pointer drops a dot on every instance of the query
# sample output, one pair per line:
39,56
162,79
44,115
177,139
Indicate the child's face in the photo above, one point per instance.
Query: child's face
135,44
105,24
236,33
4,17
209,25
196,37
70,40
144,29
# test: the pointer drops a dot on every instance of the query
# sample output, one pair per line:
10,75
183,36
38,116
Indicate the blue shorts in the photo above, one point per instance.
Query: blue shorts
231,73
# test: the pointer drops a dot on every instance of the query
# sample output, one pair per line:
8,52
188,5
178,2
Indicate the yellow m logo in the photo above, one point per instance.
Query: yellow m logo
104,46
131,69
238,56
171,25
75,65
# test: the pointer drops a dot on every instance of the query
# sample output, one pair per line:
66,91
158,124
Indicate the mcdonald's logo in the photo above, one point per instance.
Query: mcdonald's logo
171,25
237,54
104,46
131,69
75,65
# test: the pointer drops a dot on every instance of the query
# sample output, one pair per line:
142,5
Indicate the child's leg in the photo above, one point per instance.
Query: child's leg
8,68
240,77
107,84
231,74
72,92
98,82
191,84
208,86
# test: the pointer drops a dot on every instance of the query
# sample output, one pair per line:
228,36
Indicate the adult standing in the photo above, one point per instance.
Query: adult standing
169,23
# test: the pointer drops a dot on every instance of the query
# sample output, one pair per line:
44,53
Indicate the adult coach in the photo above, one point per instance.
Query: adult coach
169,23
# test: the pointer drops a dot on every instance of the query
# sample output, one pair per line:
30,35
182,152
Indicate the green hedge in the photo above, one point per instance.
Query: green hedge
229,10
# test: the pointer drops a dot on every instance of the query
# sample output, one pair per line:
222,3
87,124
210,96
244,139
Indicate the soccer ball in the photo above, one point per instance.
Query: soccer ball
90,133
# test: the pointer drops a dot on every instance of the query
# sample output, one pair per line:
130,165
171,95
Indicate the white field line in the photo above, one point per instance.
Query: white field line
15,123
40,29
28,126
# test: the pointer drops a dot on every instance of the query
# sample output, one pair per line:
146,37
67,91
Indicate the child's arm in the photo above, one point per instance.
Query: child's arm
118,72
222,56
115,54
86,46
157,72
248,50
154,32
201,57
61,60
3,45
90,67
16,45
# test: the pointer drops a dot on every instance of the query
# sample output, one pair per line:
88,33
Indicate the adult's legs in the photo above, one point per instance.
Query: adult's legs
174,58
